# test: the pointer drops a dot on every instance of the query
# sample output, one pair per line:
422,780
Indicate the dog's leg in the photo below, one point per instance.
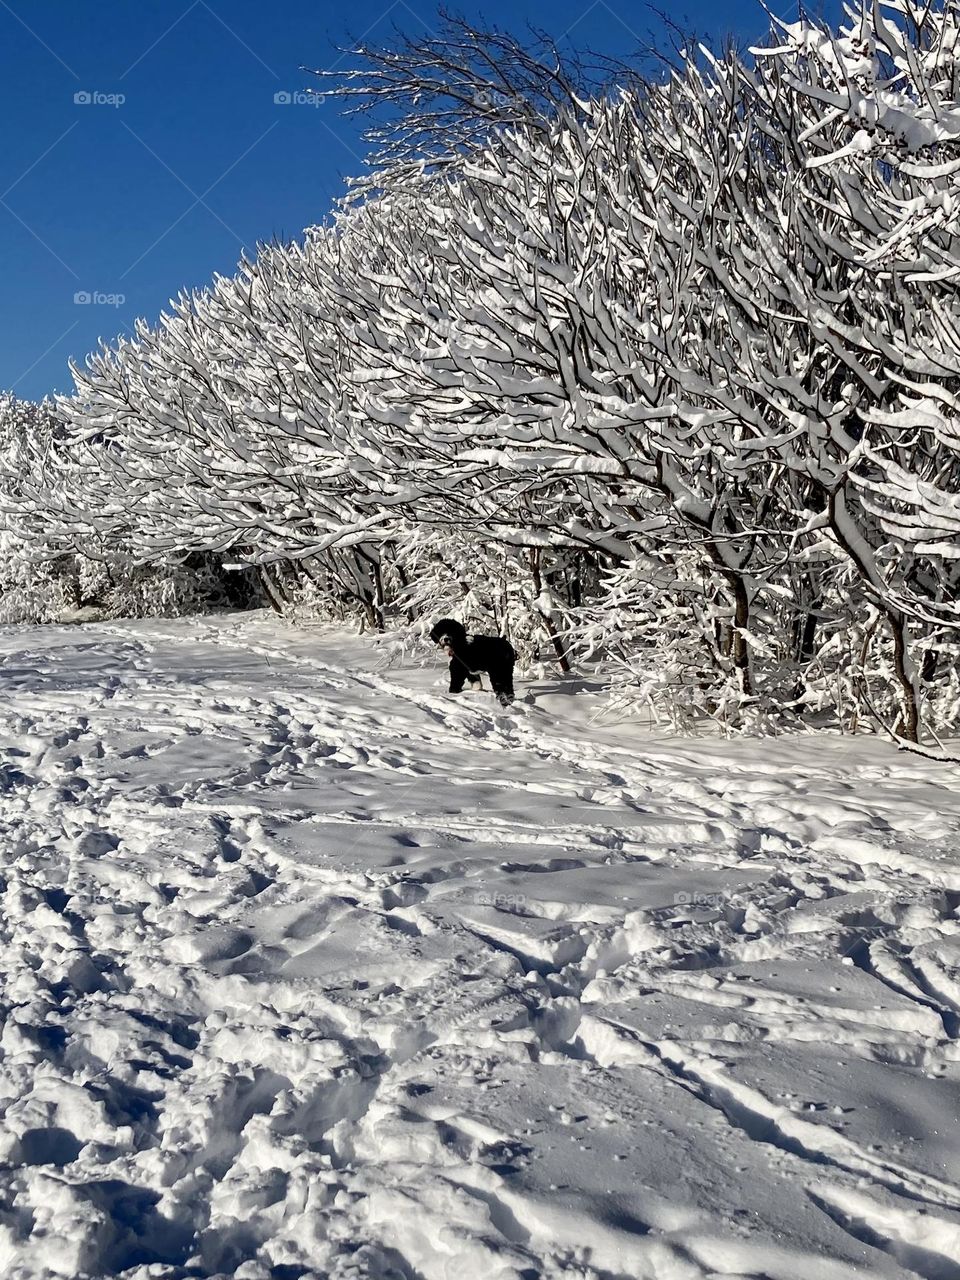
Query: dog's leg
502,681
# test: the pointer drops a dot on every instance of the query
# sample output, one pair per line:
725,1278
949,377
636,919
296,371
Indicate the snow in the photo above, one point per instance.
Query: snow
311,970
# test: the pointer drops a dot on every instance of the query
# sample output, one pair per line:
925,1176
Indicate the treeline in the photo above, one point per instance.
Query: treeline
662,374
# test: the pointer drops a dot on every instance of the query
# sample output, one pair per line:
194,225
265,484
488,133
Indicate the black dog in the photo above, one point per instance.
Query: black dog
469,657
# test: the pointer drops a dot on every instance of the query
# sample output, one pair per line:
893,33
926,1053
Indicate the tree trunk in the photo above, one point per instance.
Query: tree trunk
740,650
268,589
910,713
379,604
534,559
804,635
399,570
848,536
928,667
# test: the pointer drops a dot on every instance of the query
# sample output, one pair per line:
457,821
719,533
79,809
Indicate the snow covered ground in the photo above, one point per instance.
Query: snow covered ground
311,970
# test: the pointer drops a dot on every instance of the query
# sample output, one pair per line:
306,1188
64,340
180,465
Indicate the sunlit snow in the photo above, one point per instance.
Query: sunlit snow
312,970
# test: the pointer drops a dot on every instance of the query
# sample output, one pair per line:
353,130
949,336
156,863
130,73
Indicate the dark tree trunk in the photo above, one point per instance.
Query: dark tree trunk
805,634
740,650
534,560
269,590
910,714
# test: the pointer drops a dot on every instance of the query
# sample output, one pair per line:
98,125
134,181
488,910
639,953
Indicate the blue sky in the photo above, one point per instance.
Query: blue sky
175,156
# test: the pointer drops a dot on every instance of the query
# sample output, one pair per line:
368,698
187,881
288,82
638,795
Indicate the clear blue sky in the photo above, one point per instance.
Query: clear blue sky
199,162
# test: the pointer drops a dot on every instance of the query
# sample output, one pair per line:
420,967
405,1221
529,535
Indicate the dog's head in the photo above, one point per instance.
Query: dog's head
449,635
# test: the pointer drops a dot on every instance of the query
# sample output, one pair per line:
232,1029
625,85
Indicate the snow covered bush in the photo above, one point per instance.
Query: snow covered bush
49,573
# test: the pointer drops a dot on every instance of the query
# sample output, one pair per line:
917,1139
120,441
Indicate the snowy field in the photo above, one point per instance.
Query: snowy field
311,970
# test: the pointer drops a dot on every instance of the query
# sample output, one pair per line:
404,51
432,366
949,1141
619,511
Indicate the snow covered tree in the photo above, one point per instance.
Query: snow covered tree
662,374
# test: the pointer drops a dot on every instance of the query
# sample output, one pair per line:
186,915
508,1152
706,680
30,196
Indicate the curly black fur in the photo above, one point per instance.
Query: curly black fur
469,656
